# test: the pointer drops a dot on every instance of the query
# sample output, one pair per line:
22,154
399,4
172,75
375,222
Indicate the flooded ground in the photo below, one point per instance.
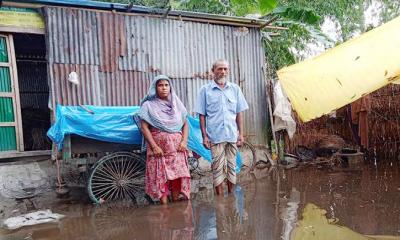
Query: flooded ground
365,199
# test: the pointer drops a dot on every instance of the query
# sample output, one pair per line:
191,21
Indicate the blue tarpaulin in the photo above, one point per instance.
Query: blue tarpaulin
114,124
109,124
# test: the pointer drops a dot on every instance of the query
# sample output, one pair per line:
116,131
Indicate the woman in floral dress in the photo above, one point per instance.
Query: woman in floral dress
164,127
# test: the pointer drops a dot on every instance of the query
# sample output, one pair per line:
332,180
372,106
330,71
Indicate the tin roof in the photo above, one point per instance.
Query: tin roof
222,19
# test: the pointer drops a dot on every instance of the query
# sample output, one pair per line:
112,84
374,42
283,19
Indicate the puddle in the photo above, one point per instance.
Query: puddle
363,202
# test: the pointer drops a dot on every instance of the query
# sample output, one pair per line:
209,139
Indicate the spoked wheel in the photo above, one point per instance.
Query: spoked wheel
116,176
248,154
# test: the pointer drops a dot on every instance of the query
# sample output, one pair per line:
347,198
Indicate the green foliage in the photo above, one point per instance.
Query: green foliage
305,28
350,14
244,7
206,6
118,1
304,19
278,48
277,51
391,9
147,3
226,7
299,14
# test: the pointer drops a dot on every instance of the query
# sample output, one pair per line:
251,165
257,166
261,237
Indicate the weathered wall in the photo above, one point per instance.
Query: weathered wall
117,55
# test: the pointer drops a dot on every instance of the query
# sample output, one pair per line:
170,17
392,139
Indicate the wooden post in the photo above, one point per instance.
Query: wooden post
66,152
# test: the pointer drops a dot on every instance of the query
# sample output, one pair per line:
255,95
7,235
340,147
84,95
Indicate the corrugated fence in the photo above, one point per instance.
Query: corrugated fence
116,56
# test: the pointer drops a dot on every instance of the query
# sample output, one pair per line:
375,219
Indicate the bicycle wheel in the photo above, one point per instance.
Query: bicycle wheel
116,176
248,154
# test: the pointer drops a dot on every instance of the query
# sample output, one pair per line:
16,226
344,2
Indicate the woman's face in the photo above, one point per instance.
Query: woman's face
163,89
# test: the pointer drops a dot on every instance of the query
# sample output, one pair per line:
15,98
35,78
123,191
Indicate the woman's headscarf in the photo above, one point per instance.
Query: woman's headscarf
166,115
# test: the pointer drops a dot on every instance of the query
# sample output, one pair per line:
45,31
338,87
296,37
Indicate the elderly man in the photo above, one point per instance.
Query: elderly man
220,105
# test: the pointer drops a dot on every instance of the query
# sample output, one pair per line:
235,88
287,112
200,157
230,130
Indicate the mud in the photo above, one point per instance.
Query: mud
266,204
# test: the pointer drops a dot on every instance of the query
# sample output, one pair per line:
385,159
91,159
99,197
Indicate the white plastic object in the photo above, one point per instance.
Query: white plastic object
73,78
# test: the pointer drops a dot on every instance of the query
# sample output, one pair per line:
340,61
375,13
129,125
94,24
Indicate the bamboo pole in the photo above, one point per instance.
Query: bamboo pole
271,114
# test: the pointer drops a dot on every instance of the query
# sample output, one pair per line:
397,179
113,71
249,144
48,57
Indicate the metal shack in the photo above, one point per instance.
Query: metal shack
116,50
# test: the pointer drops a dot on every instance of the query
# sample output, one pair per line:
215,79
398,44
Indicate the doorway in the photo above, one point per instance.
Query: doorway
30,55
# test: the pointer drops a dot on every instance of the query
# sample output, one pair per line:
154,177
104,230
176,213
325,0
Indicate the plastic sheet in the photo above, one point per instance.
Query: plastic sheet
345,73
283,112
29,219
109,124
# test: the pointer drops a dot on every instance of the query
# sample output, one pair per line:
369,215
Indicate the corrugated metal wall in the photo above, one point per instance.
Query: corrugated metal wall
117,55
33,87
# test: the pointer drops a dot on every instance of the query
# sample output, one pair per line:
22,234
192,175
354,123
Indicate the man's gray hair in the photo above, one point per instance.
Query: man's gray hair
221,60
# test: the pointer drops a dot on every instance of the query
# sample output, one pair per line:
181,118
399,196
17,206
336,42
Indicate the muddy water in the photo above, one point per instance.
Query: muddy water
265,205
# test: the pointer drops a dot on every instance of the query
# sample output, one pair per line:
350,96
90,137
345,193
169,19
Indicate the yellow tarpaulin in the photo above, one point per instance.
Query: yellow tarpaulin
345,73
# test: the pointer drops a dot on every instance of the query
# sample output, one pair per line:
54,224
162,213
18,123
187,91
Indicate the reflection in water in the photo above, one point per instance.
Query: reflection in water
315,225
365,198
264,206
247,214
239,200
231,217
118,221
174,223
289,214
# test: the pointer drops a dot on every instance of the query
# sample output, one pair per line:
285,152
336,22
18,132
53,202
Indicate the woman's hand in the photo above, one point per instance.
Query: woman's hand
154,149
157,151
182,146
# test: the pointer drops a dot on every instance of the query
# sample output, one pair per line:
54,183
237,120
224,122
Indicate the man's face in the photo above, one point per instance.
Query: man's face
221,70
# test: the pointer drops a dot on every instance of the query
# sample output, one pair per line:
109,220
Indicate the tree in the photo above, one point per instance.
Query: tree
304,28
226,7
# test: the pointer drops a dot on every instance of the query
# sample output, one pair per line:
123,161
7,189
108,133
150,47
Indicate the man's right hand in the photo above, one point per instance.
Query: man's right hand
206,142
